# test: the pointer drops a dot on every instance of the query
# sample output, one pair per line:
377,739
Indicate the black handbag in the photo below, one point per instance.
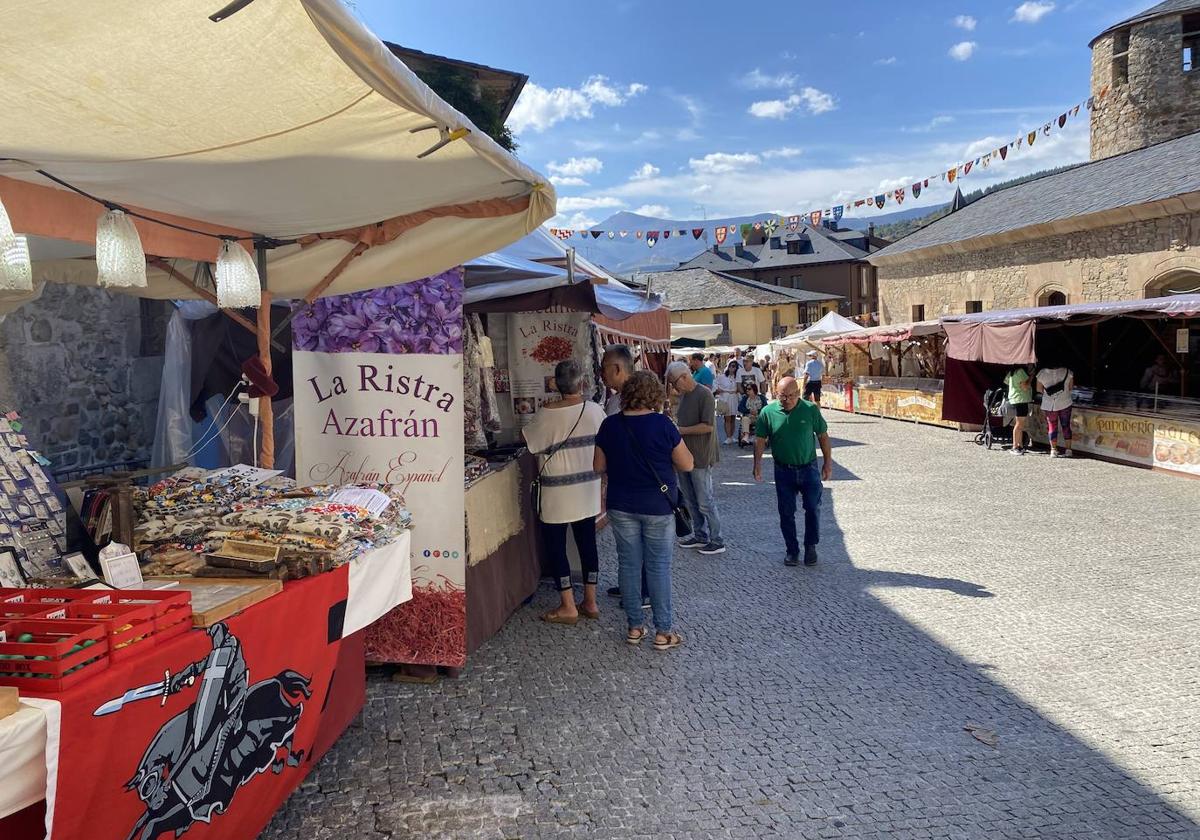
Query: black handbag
683,516
535,487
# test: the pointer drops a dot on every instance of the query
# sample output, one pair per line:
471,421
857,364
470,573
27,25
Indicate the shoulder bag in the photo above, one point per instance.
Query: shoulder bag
535,487
683,517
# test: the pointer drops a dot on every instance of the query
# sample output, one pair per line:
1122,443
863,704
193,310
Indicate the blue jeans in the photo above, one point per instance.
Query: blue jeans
805,481
645,543
697,489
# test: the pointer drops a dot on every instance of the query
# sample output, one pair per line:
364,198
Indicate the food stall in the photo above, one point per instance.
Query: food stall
192,703
1110,348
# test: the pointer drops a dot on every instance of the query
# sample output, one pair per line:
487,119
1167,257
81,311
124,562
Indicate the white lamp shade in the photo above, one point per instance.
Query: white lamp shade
120,260
16,273
237,277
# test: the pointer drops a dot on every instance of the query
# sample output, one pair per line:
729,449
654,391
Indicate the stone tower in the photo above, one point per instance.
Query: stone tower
1150,65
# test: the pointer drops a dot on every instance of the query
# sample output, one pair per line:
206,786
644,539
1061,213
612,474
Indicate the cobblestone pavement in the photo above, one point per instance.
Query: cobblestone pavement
1053,603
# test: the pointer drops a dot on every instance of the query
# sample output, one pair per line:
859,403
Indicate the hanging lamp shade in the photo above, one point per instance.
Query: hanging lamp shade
16,273
237,277
120,260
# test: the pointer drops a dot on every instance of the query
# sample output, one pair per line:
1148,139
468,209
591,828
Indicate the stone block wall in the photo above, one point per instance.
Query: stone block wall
1159,102
1111,263
76,366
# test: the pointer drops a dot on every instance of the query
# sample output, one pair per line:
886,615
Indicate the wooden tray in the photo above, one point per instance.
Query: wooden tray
215,599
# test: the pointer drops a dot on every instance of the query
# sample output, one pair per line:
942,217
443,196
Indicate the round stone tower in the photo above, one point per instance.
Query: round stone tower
1150,67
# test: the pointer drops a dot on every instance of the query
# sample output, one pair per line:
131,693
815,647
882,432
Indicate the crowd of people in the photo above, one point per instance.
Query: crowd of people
654,446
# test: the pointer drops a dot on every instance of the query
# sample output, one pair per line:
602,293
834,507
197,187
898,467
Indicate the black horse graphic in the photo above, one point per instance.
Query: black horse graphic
232,732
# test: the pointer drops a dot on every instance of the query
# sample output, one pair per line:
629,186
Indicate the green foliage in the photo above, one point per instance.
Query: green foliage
480,107
898,230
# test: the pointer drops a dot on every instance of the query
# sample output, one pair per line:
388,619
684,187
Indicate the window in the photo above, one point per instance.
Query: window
1120,60
974,306
864,283
796,282
1191,42
918,312
774,317
723,320
778,281
793,247
1052,297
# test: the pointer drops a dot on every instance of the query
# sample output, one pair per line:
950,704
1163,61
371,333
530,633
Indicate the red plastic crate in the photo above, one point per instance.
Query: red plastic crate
172,608
54,640
51,596
131,627
16,611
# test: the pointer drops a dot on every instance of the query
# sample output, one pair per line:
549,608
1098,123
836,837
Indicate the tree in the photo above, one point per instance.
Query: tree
479,106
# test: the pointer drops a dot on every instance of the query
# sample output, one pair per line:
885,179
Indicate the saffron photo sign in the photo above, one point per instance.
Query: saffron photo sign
379,400
537,342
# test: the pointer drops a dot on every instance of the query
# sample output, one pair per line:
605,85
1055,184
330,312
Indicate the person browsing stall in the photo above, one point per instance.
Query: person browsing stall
696,417
700,371
1055,385
794,427
616,366
814,370
563,435
725,389
1020,395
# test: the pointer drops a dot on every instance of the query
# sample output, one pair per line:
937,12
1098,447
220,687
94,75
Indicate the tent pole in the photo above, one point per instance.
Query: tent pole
266,413
316,291
232,315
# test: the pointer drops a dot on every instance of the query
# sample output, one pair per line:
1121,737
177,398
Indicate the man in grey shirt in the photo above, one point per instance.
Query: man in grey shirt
696,417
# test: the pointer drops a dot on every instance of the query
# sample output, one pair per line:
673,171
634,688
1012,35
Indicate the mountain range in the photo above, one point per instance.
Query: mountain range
628,255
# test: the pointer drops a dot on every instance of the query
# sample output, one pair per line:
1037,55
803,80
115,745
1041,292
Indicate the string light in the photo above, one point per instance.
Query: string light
16,272
237,278
120,260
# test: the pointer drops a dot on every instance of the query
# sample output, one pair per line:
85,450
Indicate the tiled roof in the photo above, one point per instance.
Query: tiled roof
1170,7
700,288
818,246
1139,177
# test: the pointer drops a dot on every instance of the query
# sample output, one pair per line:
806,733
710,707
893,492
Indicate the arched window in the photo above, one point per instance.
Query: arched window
1052,297
1183,281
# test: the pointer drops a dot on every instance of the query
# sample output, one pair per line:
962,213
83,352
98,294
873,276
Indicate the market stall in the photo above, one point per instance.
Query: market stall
275,151
841,366
1135,365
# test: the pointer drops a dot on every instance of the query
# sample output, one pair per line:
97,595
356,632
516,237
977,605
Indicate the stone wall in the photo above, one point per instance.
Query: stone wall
1159,102
1112,263
76,364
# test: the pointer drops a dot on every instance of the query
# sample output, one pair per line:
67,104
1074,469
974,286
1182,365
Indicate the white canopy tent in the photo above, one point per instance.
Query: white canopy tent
696,332
829,325
287,119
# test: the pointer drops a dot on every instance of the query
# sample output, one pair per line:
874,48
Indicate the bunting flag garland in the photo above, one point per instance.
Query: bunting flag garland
951,174
623,233
681,233
793,223
860,202
1046,128
916,190
815,218
870,201
966,169
899,195
697,233
612,235
758,225
651,237
666,234
746,230
770,226
1062,120
639,234
596,234
837,212
879,200
721,235
1029,138
1075,111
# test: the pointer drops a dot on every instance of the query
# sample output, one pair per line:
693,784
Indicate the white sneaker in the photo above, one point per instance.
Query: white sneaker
1015,451
1054,453
1066,454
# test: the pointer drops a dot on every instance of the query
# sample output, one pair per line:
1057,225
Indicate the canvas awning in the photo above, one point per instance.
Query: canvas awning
287,119
830,324
1007,336
696,332
886,334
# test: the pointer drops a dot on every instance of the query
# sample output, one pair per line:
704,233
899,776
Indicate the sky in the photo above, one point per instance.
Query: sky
706,109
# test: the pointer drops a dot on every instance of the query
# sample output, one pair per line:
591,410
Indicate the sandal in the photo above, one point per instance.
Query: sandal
589,614
666,641
569,620
635,635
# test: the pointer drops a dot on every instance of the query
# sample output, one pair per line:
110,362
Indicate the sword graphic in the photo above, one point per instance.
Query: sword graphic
145,692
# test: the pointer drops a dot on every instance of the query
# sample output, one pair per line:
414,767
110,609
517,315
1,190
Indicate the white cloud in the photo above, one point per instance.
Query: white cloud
716,163
540,108
576,221
659,211
701,189
646,170
571,203
782,152
816,101
567,181
965,22
963,50
758,80
886,62
936,122
1031,11
576,167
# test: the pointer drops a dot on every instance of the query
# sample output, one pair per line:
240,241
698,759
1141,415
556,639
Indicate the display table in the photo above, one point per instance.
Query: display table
251,703
901,398
1130,436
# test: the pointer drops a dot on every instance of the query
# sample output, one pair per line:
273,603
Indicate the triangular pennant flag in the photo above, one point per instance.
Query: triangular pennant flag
596,234
899,195
1003,150
746,230
639,234
681,232
860,202
815,218
554,231
1046,128
1030,137
916,190
926,183
697,233
721,235
623,234
1104,91
612,234
758,225
1062,120
871,201
837,212
666,234
1075,111
966,170
987,159
793,223
879,200
1091,103
770,226
951,174
651,237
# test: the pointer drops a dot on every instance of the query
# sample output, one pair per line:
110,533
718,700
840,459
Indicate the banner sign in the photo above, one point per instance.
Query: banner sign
537,341
379,400
1177,446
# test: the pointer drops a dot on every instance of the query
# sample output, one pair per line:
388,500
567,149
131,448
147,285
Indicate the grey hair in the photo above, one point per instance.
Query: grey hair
622,355
568,377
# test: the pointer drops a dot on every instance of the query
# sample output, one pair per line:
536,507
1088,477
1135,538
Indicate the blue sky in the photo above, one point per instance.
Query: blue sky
708,109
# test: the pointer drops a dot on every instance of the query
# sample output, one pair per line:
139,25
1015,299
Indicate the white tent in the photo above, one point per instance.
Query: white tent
696,332
286,119
830,325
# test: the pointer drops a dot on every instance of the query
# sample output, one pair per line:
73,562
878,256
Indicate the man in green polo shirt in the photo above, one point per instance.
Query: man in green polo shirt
793,426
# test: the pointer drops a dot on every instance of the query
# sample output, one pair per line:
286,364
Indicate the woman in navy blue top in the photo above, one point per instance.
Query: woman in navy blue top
632,448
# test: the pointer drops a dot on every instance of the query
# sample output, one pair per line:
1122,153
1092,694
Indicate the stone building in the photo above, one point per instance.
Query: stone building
1125,225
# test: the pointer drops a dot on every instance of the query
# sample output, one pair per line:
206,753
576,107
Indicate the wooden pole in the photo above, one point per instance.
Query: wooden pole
266,413
236,317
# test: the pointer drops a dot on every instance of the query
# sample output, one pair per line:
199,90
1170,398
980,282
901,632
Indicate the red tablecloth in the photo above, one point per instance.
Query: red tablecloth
250,706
